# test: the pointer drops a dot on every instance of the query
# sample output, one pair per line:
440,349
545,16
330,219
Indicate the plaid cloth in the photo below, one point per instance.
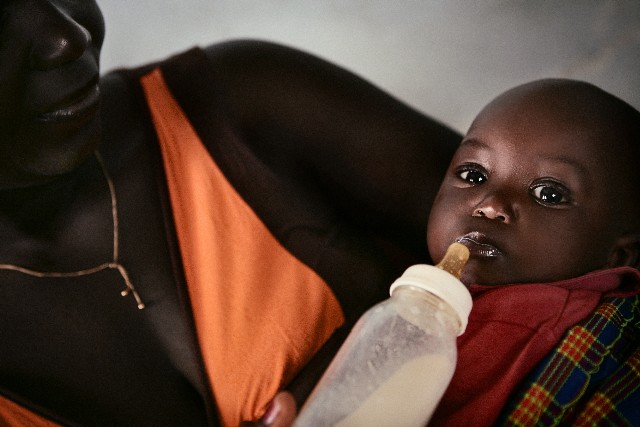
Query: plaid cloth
592,377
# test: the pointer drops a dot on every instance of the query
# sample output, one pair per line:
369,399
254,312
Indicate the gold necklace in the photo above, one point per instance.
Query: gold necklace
114,264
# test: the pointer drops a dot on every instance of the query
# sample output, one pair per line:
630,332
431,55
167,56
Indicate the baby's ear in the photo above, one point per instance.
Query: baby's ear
626,251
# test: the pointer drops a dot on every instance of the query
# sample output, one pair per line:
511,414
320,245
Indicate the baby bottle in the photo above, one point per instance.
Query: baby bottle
398,360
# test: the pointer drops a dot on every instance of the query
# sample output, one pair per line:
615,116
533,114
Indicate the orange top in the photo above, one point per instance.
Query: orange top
12,414
260,313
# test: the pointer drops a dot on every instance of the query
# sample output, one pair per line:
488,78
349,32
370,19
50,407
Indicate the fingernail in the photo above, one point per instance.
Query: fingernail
271,413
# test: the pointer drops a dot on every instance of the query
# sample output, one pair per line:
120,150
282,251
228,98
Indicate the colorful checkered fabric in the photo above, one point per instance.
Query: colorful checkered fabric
591,378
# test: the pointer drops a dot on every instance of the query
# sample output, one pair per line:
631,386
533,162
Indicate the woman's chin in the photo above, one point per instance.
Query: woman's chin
61,155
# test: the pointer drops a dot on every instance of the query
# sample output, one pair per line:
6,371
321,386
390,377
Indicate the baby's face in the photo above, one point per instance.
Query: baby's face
531,191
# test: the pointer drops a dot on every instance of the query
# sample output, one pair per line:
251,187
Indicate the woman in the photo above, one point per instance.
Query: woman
251,200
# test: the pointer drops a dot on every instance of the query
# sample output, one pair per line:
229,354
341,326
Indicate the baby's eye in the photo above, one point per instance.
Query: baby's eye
472,174
551,194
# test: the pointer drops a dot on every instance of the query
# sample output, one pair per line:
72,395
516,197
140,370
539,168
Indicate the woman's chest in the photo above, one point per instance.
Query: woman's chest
76,348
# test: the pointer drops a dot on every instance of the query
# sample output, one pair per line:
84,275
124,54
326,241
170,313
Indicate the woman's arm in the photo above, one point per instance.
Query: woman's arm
379,161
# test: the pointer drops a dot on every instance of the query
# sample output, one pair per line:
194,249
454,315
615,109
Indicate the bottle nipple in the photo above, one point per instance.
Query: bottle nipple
455,259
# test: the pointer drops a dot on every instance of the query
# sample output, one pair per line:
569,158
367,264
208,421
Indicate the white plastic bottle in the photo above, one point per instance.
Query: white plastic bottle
400,356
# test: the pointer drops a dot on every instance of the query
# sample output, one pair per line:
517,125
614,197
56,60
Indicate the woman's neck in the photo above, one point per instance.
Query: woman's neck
33,208
63,224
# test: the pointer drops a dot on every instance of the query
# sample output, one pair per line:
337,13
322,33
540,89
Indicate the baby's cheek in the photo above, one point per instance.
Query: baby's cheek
438,238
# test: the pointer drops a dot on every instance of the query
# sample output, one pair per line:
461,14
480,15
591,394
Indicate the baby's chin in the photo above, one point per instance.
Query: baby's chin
486,277
501,277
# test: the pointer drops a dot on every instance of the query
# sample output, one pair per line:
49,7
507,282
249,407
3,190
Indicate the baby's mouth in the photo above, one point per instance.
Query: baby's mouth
478,245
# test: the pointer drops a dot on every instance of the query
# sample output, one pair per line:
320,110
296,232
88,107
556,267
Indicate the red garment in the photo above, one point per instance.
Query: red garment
511,328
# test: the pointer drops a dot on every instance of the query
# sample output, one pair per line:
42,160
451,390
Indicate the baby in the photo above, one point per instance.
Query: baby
542,189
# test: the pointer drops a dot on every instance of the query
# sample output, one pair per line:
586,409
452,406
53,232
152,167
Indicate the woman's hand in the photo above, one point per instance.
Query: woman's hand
281,412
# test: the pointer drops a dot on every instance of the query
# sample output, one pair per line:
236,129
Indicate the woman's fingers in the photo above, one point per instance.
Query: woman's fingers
281,412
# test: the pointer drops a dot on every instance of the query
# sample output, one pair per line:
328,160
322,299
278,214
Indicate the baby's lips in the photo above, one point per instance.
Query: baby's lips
478,245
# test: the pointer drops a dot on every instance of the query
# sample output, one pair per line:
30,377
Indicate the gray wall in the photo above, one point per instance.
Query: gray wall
447,58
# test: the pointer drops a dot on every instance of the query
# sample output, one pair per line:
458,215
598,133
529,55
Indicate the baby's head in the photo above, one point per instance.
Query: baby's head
544,186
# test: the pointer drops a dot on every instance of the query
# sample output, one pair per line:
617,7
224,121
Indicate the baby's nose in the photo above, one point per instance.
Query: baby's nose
493,207
491,213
